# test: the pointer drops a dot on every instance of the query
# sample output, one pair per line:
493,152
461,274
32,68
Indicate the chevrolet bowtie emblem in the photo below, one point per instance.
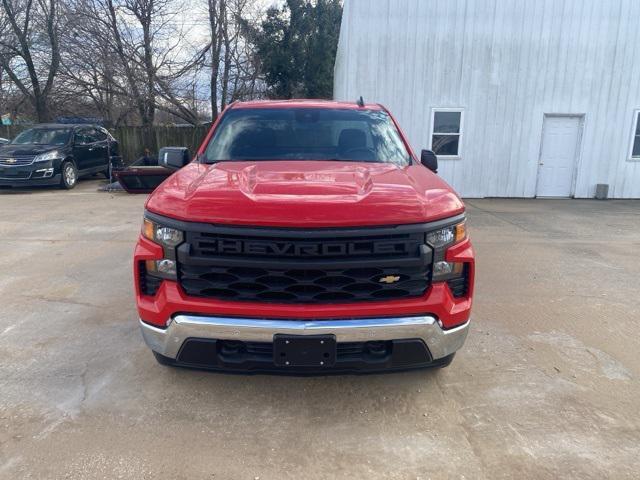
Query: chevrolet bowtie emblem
11,160
389,279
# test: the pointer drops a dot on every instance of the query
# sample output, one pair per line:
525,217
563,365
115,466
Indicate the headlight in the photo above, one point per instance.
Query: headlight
45,157
447,236
166,236
169,238
440,240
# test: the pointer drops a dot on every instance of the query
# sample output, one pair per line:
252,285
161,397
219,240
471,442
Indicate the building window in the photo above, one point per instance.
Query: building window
446,132
635,139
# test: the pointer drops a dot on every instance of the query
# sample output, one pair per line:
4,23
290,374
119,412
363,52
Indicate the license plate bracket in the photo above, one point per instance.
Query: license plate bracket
304,350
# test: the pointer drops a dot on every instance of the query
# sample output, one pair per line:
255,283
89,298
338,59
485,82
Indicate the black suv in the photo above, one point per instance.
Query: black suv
55,154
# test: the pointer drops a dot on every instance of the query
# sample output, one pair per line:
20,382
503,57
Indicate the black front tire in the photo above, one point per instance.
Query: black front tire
68,175
162,360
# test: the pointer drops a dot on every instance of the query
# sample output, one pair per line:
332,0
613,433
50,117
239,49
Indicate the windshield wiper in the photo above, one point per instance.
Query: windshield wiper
211,162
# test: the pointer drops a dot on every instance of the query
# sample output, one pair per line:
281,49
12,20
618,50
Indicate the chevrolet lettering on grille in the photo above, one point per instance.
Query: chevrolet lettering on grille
307,249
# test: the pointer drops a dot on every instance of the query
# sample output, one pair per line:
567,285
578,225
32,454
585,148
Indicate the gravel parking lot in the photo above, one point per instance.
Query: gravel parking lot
546,387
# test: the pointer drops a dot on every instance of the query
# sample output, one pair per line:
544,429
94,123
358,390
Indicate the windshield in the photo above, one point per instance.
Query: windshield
307,134
43,136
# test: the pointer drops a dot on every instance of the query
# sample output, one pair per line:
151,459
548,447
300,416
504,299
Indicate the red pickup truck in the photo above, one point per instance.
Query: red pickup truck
304,237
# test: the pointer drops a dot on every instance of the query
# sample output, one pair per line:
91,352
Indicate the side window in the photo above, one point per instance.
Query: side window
85,136
82,137
100,135
446,132
635,140
91,135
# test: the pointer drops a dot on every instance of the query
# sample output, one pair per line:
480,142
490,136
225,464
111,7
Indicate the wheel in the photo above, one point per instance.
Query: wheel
162,360
69,176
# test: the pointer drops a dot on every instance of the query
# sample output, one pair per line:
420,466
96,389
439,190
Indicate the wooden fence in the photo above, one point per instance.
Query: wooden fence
133,140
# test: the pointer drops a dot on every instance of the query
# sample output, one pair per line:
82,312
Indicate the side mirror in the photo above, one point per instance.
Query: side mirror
429,160
174,158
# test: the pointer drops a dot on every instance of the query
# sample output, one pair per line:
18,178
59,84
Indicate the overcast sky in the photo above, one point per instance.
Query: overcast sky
194,18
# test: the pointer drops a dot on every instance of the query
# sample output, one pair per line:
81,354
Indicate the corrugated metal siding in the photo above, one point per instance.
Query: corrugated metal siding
507,63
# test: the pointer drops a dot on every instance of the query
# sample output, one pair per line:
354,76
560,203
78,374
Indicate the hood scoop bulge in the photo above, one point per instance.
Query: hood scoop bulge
345,180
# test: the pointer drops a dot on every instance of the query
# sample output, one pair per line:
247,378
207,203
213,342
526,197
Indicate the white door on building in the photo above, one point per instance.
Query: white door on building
558,155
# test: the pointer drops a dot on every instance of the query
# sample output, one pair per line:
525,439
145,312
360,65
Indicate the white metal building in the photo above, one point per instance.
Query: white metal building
519,98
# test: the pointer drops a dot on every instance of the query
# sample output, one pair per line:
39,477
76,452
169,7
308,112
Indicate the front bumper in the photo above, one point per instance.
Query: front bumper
410,342
30,182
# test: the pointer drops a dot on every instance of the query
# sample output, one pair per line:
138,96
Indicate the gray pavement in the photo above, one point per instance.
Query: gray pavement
546,387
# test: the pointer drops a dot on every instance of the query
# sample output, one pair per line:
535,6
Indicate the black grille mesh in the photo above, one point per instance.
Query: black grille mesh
303,285
13,173
16,160
363,267
344,349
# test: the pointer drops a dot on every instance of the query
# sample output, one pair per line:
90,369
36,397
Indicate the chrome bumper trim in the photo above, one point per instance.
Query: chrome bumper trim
168,341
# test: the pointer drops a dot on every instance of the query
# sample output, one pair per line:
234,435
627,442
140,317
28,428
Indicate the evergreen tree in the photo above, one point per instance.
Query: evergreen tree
297,47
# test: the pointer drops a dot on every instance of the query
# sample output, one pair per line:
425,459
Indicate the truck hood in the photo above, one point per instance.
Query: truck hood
304,194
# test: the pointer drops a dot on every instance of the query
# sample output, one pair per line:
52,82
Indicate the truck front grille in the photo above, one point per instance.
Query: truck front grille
303,285
305,266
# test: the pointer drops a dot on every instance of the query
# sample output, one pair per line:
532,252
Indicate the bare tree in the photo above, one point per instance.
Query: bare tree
245,81
135,52
30,49
91,69
125,60
233,70
134,49
217,18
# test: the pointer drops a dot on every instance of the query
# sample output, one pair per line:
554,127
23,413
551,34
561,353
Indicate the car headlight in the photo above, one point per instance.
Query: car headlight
447,236
47,156
441,240
165,236
169,238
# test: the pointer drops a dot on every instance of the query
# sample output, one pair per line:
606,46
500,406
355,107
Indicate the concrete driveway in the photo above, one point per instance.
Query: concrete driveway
546,387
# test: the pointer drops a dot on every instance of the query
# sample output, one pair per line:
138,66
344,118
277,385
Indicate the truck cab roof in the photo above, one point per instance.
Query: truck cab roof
305,103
